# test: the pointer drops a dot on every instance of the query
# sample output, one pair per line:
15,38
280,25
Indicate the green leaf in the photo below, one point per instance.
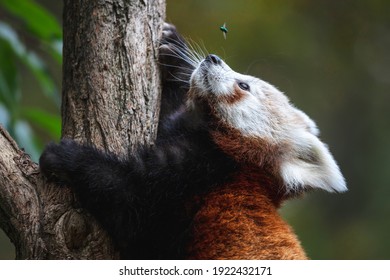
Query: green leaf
49,122
9,35
30,59
9,77
10,47
38,20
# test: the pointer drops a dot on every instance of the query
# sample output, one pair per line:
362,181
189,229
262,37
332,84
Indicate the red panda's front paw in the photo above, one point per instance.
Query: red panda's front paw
174,54
171,39
58,160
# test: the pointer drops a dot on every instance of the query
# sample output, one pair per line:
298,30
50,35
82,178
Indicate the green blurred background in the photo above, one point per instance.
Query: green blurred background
332,58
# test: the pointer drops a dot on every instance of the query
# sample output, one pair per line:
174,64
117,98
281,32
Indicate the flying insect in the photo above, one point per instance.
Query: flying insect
224,30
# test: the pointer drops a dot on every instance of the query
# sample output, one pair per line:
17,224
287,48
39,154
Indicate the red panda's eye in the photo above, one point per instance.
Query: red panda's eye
244,86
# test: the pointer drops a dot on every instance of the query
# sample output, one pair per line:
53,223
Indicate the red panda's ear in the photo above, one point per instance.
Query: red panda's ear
310,165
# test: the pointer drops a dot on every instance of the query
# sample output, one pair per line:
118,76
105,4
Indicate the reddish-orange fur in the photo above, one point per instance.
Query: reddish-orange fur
245,149
236,96
239,220
250,150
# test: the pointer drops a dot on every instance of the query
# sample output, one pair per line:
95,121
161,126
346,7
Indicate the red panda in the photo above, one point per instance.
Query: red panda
230,149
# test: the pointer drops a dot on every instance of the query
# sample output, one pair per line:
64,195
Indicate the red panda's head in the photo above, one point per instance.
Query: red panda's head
255,124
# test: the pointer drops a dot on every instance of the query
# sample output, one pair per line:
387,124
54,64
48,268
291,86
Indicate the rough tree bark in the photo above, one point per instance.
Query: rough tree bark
111,91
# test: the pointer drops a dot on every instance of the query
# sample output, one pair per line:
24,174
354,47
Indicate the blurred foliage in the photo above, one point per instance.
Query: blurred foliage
30,39
332,58
19,59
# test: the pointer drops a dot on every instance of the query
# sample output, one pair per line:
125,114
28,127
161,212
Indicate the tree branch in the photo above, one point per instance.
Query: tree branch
19,204
42,220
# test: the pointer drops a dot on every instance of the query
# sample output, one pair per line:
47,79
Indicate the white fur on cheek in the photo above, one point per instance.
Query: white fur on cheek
248,116
321,171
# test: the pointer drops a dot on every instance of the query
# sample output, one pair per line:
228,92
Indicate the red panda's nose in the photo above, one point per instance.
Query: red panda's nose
214,59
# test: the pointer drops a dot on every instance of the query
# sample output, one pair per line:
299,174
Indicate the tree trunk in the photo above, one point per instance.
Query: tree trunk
111,94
